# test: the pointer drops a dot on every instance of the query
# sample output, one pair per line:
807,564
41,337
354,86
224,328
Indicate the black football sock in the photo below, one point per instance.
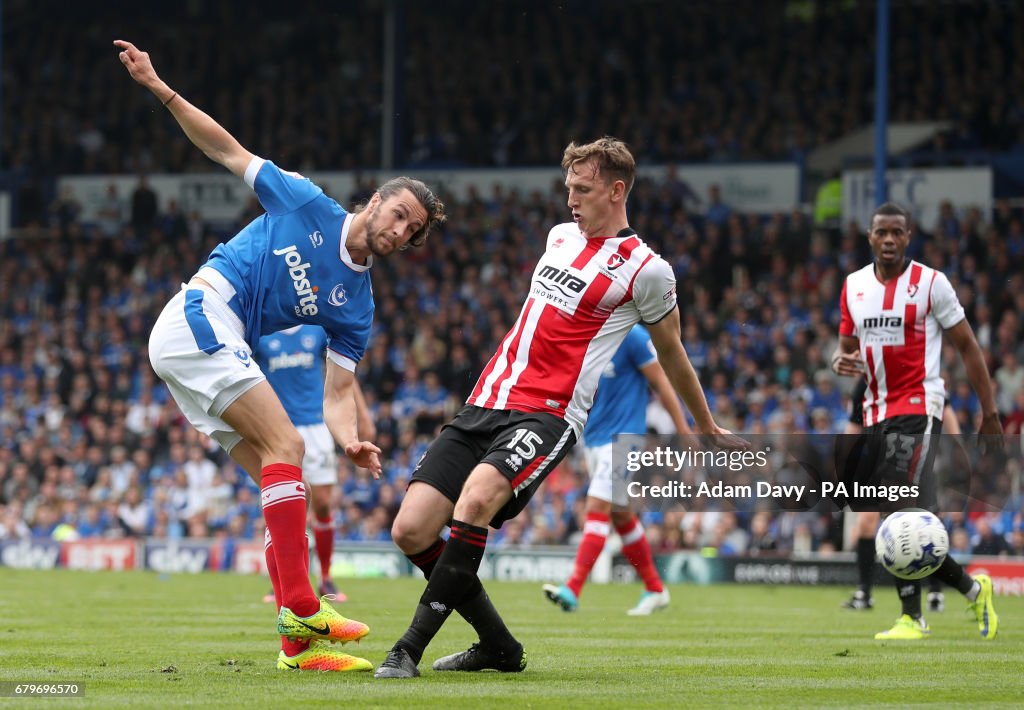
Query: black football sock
953,574
934,583
427,559
910,597
487,622
450,583
866,564
477,609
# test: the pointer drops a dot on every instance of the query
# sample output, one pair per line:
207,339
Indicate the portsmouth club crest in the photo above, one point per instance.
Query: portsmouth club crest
338,296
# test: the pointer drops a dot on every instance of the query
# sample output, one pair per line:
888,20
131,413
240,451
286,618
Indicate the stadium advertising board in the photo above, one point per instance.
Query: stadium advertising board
1007,575
249,558
221,197
695,568
369,561
32,553
757,188
784,571
99,554
534,565
527,566
176,556
922,190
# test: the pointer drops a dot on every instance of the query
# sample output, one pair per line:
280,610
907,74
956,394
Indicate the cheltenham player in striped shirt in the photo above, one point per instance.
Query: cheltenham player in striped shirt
894,313
595,281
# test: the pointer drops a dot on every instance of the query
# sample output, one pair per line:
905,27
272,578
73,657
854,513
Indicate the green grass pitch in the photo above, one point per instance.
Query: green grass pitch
141,640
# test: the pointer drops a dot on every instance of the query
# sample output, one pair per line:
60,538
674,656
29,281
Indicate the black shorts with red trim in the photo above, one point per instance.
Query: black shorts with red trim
524,446
896,452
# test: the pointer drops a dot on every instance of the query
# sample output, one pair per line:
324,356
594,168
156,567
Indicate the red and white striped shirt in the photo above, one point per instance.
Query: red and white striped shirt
585,295
899,324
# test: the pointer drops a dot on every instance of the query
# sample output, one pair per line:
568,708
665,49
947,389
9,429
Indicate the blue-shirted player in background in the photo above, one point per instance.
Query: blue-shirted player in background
293,361
617,425
306,260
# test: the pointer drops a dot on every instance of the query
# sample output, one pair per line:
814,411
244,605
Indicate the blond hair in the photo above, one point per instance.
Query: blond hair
610,156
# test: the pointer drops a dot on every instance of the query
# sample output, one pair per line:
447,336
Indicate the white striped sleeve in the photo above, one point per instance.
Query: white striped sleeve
252,169
346,363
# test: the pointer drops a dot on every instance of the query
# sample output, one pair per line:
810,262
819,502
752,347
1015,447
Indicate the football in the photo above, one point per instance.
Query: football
911,544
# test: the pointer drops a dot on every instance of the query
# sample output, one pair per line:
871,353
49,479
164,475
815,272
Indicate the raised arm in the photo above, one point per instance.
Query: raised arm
207,135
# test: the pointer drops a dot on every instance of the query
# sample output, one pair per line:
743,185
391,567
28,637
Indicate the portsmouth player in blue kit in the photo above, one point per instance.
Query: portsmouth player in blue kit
293,361
306,260
616,426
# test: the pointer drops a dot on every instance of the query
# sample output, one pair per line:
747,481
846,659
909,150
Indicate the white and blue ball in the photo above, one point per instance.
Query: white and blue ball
911,544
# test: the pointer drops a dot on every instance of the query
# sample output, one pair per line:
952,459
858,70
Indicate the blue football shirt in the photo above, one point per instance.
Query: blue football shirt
290,266
620,405
293,361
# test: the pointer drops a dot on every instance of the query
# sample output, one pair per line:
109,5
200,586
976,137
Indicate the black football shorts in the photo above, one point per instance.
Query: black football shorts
524,446
897,452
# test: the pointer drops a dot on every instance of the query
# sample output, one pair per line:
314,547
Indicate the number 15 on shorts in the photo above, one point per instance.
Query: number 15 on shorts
523,445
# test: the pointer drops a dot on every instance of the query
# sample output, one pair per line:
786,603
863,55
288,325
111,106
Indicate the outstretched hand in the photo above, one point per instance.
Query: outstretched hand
365,455
137,62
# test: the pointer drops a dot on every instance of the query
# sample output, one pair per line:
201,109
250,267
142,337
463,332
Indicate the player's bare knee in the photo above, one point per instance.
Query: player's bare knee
478,505
290,446
409,536
621,518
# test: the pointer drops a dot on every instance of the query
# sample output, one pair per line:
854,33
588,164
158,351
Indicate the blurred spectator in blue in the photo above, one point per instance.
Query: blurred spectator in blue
963,400
716,212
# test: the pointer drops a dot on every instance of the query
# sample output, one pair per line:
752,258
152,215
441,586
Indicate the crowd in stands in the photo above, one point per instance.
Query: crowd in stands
93,445
686,82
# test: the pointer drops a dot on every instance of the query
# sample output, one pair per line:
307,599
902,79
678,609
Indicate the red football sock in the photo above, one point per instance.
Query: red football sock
637,550
595,532
284,509
291,648
323,534
275,579
305,558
